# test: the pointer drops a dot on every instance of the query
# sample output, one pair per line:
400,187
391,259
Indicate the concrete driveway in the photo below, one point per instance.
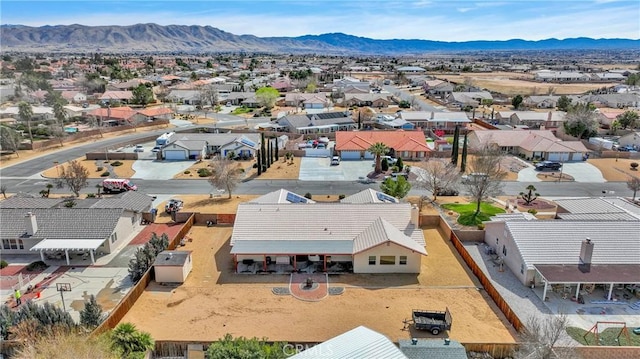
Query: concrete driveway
580,171
159,170
320,169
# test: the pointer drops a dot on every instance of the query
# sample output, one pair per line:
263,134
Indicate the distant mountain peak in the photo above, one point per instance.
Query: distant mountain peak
151,37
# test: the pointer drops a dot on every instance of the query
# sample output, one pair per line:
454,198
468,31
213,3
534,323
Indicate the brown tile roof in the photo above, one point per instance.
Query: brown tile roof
398,140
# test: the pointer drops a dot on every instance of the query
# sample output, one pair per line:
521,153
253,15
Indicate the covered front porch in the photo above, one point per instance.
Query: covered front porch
69,250
297,263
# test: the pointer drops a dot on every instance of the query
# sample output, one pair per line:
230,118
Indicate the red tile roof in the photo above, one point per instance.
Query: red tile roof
413,141
155,111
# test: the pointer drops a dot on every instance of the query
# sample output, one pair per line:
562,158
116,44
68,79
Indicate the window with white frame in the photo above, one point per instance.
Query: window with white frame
387,260
403,260
372,260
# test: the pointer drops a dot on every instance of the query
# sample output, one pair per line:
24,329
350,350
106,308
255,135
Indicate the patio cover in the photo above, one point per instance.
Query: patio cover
67,244
291,247
599,273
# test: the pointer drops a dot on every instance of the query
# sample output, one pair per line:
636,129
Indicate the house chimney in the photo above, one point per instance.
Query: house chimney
415,215
31,224
586,252
447,341
414,341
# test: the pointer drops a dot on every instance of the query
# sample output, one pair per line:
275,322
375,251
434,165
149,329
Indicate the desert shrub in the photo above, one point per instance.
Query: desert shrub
480,226
39,265
532,211
342,196
186,172
116,163
307,195
204,172
105,174
91,195
634,166
99,169
384,164
3,264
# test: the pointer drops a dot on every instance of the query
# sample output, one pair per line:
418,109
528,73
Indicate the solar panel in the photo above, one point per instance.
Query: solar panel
385,198
294,198
247,142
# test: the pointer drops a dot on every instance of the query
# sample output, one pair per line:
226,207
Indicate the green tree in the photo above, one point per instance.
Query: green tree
564,103
243,348
57,130
267,97
397,187
127,340
142,95
516,101
91,316
581,121
465,149
399,164
628,119
384,165
74,176
25,113
263,152
633,79
378,149
455,146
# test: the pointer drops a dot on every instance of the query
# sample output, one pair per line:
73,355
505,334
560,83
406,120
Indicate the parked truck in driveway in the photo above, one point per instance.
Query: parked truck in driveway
431,320
111,185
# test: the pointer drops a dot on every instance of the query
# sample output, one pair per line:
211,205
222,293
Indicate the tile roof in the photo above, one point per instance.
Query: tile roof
366,196
117,95
596,205
513,138
279,196
29,202
155,111
62,223
412,141
123,112
358,343
380,232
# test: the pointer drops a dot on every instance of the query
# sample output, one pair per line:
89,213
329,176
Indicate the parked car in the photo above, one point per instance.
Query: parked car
548,165
390,160
335,160
138,148
473,178
446,192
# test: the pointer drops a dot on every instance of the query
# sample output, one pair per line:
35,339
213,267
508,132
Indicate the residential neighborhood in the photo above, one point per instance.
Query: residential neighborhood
398,207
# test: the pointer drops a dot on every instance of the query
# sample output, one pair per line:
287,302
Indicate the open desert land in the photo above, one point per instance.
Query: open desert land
214,301
615,169
281,169
510,83
123,171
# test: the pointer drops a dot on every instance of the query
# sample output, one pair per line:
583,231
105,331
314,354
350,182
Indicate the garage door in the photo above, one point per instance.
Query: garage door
350,155
576,156
369,156
558,156
175,155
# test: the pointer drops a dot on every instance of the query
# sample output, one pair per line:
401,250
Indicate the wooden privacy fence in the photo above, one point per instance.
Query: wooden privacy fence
125,304
496,350
186,227
486,283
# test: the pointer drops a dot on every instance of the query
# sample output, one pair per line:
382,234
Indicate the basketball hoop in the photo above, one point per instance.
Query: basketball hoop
63,287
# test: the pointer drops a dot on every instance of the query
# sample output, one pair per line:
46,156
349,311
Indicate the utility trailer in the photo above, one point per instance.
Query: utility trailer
430,320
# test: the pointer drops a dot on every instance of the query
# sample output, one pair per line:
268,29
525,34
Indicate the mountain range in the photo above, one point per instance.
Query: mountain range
200,39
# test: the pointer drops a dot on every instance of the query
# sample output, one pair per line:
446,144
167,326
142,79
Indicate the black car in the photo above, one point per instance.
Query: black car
548,165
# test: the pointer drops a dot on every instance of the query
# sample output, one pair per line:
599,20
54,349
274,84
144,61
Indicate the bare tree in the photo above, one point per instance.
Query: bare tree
541,336
486,175
74,176
634,184
208,98
581,121
3,190
436,175
225,174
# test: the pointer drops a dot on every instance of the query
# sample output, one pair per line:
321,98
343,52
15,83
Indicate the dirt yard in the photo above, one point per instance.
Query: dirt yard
510,83
124,171
214,301
281,169
615,170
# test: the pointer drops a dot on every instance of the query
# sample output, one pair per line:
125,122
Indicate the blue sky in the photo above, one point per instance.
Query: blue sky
430,19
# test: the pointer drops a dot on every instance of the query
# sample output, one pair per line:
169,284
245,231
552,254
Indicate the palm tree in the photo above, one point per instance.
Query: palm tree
378,149
25,112
126,338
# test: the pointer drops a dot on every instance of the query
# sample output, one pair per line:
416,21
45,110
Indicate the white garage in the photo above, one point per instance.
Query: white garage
558,156
175,155
350,155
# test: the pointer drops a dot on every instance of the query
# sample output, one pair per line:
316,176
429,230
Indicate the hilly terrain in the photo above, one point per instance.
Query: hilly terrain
183,38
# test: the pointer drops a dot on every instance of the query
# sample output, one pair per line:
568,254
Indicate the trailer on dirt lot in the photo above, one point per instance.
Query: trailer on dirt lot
430,320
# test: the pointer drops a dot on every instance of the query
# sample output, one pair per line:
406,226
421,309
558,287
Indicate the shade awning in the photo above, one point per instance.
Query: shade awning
598,273
72,244
291,247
